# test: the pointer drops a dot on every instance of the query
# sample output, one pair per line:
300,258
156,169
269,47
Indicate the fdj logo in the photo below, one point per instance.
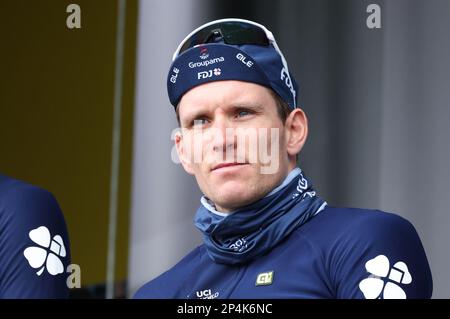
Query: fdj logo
208,74
287,80
264,279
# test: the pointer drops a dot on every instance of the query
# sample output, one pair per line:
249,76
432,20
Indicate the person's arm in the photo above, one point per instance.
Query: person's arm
34,245
381,257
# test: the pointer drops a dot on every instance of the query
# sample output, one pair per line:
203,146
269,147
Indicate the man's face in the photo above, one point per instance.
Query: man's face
233,141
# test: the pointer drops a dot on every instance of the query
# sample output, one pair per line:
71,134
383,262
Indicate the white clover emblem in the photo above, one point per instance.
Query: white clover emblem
217,71
379,268
48,253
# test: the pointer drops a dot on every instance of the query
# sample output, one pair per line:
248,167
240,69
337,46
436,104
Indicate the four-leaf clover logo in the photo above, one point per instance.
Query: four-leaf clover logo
217,71
48,253
379,267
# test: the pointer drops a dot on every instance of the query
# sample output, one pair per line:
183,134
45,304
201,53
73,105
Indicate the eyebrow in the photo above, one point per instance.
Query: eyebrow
232,107
252,106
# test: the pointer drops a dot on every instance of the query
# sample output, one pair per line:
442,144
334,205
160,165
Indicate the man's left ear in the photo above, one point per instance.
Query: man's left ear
296,128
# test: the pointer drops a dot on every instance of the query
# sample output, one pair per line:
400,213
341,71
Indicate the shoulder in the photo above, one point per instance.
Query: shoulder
356,223
21,200
345,232
24,207
170,284
358,243
31,227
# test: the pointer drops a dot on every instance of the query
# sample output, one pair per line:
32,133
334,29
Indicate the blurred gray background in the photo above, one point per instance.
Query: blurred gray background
378,108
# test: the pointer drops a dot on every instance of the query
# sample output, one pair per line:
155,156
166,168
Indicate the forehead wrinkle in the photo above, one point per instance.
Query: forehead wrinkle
201,101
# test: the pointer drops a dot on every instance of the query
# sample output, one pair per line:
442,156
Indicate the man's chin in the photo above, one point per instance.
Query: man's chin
233,199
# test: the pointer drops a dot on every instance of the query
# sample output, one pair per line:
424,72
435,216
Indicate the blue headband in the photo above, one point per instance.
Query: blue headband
218,61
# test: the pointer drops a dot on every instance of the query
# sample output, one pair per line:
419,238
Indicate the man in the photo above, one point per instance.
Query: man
34,245
267,234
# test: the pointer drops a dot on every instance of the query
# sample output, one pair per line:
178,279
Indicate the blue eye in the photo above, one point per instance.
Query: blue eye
243,113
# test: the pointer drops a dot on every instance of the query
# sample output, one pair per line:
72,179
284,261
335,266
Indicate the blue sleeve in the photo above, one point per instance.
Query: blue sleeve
149,291
171,284
380,257
34,244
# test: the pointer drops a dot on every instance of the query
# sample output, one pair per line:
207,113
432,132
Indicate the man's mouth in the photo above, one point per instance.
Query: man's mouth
223,165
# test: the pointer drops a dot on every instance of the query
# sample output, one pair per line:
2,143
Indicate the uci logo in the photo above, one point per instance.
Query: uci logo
203,293
206,294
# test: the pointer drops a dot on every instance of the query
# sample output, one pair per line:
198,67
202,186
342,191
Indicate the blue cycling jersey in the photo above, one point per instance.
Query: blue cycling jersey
34,244
340,253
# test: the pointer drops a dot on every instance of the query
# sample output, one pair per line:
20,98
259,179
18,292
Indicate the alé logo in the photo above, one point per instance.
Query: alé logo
46,253
384,281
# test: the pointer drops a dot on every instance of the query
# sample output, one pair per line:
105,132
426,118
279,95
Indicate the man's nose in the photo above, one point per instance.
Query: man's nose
223,138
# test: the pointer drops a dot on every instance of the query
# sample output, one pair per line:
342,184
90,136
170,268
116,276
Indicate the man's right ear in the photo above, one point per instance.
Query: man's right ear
183,153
